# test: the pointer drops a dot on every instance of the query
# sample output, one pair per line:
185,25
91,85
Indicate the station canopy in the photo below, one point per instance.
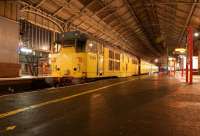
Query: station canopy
144,27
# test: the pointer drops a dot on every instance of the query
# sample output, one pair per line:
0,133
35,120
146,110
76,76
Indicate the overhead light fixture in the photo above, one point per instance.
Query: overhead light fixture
171,58
156,60
44,48
181,50
26,50
196,34
90,44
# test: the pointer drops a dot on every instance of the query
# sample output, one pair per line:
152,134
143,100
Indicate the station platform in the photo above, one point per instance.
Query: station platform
182,78
23,83
156,105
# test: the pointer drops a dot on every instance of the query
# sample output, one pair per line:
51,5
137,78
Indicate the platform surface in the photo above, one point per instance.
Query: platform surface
146,106
23,78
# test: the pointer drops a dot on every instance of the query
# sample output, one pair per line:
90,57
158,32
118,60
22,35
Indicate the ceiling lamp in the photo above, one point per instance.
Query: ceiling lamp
156,60
196,34
180,50
90,44
171,58
26,50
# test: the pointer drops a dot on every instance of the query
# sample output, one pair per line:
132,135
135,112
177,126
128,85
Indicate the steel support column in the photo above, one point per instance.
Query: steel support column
182,67
190,52
186,73
174,67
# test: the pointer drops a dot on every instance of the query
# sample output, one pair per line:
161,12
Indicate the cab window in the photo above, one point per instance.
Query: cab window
80,45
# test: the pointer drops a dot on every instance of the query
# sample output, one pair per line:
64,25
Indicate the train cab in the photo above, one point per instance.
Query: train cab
77,56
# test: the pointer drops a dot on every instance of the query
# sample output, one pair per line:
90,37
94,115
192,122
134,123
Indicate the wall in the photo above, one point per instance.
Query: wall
9,39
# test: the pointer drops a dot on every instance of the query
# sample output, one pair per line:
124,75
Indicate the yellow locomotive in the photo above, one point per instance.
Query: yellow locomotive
84,57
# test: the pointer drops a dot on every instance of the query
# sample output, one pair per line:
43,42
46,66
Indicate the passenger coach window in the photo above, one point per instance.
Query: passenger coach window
94,47
117,65
111,54
91,46
111,60
111,65
117,56
117,61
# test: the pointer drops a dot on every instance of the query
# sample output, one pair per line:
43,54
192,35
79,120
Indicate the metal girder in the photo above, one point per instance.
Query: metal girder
122,31
188,19
99,29
155,17
127,25
61,8
109,15
173,3
167,14
143,26
139,23
107,5
119,16
171,7
40,3
171,22
81,11
31,9
77,15
117,28
169,29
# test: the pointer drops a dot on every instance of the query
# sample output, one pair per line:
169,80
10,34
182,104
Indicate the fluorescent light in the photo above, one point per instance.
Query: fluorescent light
171,58
26,50
44,48
181,50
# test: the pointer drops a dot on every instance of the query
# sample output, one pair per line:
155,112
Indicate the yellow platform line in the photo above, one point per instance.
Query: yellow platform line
14,112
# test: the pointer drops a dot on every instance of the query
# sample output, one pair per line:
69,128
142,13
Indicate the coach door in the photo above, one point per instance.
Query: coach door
99,60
